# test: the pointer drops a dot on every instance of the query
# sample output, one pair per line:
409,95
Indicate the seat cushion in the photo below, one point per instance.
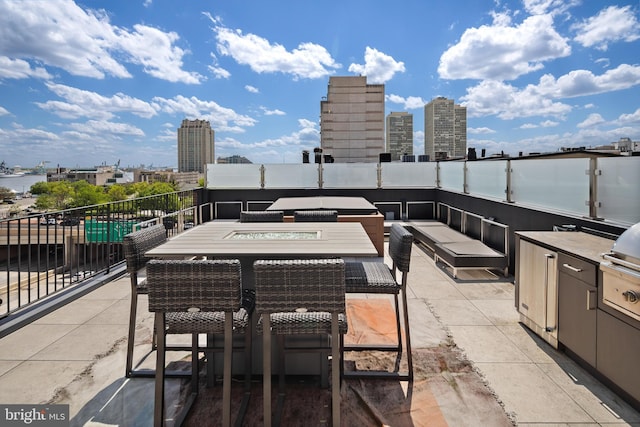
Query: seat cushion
205,322
293,323
370,277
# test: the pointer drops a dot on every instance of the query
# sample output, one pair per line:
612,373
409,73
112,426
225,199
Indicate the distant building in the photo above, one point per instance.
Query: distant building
101,175
167,175
445,129
233,159
399,135
195,145
352,120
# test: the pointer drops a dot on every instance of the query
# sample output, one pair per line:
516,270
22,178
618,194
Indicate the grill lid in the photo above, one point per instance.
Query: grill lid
627,247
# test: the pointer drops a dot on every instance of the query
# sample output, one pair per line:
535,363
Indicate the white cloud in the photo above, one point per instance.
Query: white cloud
503,52
409,103
3,111
275,112
218,72
549,124
480,131
539,7
491,97
156,51
592,120
529,126
221,118
251,89
20,69
611,24
508,102
378,67
308,60
102,127
82,103
84,43
629,118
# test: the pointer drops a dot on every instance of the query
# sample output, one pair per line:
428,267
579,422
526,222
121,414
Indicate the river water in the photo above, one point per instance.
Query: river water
21,184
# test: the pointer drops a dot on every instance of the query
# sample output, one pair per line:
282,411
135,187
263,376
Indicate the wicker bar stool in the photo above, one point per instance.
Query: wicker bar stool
315,216
197,297
300,297
261,216
135,245
378,278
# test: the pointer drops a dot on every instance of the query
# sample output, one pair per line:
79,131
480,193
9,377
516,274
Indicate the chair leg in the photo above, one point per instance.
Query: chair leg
158,407
226,376
335,370
266,369
407,337
398,326
132,329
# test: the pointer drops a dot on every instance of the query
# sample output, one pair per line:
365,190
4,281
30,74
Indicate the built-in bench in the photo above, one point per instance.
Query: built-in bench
464,240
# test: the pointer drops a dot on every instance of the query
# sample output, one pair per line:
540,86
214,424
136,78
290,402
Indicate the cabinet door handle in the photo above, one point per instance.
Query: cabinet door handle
572,268
592,301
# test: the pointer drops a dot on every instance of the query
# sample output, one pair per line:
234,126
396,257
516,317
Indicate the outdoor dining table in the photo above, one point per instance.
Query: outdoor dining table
251,241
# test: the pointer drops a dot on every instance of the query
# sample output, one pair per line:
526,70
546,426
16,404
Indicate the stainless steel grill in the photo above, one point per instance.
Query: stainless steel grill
621,274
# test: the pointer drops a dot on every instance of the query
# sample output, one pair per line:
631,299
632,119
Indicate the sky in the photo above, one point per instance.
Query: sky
101,82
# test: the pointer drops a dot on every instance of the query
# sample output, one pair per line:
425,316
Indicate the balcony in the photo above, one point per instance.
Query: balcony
475,364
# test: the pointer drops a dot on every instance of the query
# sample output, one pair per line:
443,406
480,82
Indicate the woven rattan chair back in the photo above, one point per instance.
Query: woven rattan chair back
137,243
194,297
316,216
194,285
261,216
287,285
400,243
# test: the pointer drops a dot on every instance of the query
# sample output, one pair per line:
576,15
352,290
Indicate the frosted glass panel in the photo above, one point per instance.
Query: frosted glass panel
559,185
407,175
303,175
619,190
233,175
350,175
452,176
487,178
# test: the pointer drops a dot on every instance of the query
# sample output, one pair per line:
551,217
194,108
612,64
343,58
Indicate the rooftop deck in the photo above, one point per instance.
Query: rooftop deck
475,364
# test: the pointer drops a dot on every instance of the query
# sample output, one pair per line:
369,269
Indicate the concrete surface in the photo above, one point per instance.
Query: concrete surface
475,365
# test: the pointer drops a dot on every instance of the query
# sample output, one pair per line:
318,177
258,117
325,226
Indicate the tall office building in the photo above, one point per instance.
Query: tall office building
352,120
445,129
399,134
195,145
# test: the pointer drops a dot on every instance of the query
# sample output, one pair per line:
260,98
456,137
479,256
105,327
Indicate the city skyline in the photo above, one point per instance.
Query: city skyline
83,84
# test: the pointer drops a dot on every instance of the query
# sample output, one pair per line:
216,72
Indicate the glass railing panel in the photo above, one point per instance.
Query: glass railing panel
233,176
304,175
487,178
409,175
558,185
618,191
350,175
452,176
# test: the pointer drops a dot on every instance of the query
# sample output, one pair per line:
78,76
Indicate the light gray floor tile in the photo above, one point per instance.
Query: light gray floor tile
590,394
30,339
458,312
7,365
75,313
84,343
435,289
530,344
535,398
47,376
117,289
487,290
487,344
116,314
499,312
426,330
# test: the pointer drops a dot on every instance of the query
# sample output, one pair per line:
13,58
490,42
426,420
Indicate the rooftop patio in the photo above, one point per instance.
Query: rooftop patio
475,364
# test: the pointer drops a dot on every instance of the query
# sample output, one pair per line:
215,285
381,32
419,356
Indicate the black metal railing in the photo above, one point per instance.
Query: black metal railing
43,253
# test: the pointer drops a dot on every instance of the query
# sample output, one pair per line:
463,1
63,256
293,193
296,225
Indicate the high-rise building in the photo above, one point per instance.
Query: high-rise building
352,120
445,129
399,134
195,145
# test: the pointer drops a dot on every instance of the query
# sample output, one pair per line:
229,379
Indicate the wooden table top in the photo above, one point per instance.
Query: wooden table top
347,239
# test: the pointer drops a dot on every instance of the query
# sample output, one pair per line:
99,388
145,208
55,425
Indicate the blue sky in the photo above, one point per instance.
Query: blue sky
94,82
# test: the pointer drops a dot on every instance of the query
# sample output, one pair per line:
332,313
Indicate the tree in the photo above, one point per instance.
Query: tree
6,193
86,194
116,193
41,187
